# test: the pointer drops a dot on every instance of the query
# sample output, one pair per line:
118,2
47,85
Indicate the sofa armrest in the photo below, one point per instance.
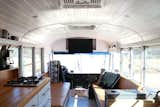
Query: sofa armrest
125,83
99,94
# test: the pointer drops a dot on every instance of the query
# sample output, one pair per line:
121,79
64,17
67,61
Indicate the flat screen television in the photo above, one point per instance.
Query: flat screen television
80,45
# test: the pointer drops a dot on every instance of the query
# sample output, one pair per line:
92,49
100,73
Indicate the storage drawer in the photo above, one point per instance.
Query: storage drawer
42,98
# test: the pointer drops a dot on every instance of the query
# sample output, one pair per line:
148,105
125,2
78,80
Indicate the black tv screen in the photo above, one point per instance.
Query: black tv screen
80,45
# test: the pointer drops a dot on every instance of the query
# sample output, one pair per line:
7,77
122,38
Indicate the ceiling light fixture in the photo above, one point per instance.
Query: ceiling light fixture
81,27
82,3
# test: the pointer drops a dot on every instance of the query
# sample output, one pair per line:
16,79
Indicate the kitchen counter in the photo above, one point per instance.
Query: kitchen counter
18,96
60,94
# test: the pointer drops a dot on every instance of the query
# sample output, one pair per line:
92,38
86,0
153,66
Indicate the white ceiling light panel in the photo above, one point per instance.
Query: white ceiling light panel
82,3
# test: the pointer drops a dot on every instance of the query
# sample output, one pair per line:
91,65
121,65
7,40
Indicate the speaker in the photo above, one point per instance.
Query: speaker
5,34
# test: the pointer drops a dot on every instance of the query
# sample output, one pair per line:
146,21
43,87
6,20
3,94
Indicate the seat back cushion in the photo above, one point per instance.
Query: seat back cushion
100,76
109,80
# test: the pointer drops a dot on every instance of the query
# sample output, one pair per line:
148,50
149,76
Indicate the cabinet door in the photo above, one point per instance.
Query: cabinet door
47,103
42,99
44,96
33,102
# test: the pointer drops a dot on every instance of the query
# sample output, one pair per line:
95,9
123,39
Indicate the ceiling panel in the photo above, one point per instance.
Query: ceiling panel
125,21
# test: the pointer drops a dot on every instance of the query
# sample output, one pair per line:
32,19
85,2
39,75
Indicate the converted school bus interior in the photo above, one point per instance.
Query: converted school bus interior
79,53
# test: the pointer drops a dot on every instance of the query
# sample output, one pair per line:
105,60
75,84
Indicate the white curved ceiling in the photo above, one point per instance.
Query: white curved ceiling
43,21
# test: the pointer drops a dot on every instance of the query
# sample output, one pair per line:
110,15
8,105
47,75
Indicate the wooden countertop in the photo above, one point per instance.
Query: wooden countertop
18,96
9,69
59,93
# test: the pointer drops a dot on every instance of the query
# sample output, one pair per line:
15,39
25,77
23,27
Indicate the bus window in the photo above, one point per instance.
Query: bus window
136,64
152,73
125,62
27,62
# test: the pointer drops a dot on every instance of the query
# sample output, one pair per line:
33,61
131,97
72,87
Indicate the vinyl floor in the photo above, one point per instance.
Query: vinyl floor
79,101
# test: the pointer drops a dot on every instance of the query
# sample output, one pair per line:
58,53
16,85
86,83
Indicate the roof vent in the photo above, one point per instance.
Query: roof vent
81,3
81,27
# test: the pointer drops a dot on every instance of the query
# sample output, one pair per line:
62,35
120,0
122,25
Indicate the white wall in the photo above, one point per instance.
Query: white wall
101,46
60,45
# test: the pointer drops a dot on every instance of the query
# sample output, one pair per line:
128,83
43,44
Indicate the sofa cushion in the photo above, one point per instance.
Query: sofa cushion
109,80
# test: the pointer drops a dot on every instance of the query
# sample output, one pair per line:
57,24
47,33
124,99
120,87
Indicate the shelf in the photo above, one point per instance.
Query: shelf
17,43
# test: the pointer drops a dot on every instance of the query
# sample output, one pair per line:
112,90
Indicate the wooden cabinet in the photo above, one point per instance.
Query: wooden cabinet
42,98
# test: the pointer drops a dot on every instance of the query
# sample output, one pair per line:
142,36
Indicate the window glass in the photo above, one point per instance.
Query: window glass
152,74
116,61
136,64
38,61
27,62
84,63
125,62
92,63
13,57
68,60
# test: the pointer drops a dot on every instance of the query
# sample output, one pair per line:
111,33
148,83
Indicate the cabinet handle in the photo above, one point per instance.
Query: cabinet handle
43,94
33,105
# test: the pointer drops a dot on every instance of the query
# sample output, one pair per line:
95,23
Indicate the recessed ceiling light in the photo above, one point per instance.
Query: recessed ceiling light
127,15
35,16
82,3
81,27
